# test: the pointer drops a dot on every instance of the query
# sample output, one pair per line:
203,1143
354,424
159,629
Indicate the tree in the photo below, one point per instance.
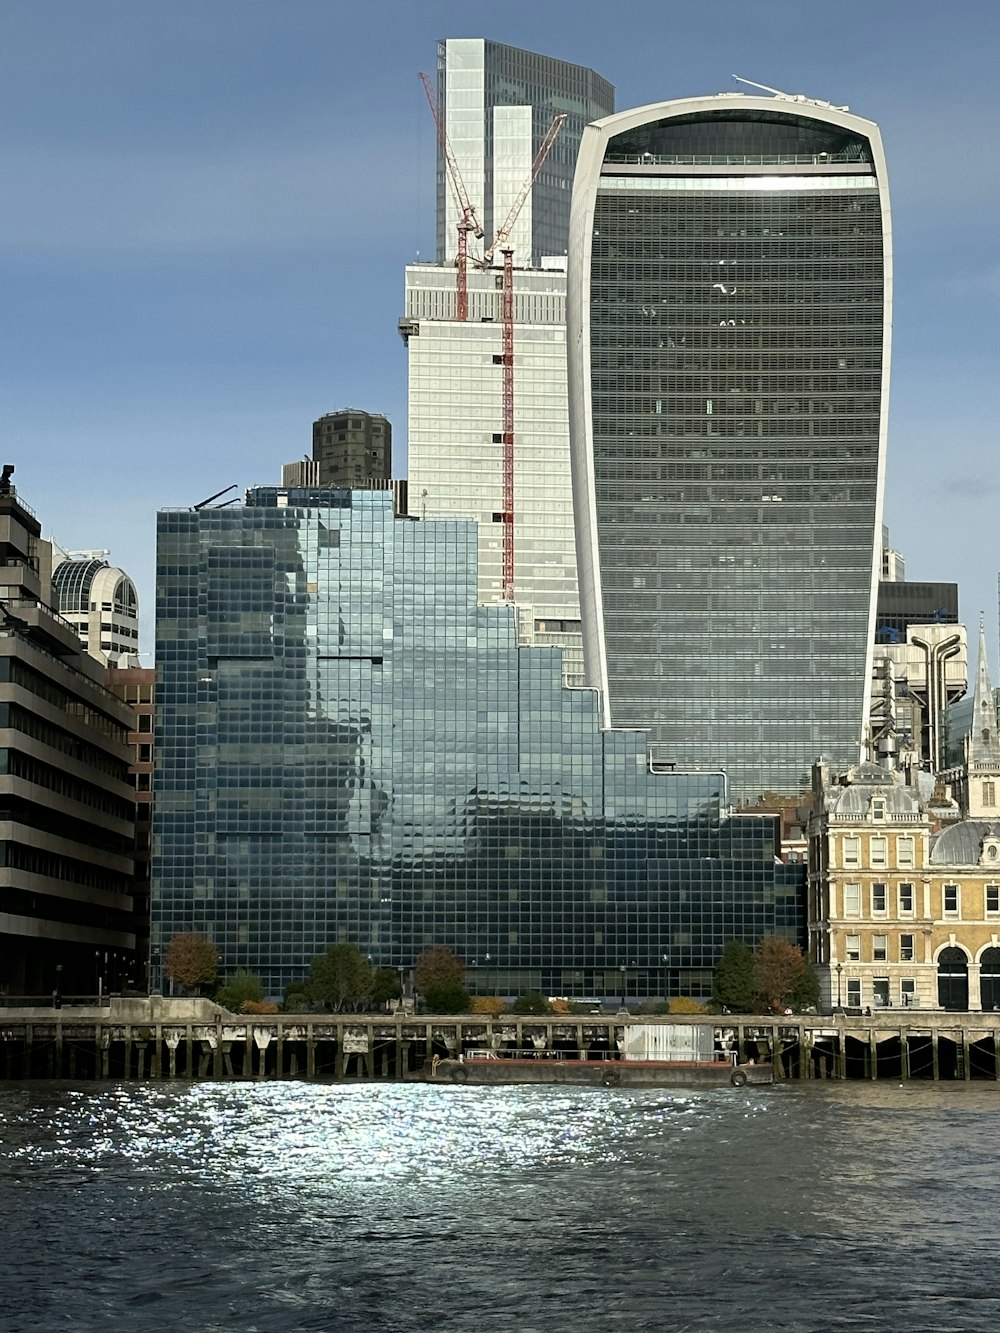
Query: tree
683,1004
340,979
439,976
780,974
733,979
534,1002
295,998
487,1004
385,985
240,989
191,960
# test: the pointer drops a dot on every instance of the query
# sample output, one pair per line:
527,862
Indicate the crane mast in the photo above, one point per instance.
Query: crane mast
468,221
501,242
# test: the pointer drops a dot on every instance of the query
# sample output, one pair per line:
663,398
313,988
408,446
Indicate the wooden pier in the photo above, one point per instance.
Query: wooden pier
159,1039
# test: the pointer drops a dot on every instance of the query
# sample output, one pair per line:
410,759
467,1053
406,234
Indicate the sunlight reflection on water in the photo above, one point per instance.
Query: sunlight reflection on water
286,1206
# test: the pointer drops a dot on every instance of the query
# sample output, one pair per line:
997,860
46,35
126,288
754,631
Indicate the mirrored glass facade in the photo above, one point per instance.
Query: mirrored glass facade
728,330
350,747
498,102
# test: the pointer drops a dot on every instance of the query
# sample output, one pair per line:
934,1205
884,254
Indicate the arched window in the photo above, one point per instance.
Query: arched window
953,979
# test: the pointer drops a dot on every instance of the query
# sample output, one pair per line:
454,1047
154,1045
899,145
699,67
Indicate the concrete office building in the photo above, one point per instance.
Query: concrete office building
66,802
729,297
353,748
497,102
99,601
456,443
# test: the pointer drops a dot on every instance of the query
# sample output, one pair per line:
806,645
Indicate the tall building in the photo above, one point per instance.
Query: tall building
728,302
99,601
497,102
353,748
66,803
137,686
456,442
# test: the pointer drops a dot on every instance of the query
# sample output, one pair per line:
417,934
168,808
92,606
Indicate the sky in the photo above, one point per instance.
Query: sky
206,207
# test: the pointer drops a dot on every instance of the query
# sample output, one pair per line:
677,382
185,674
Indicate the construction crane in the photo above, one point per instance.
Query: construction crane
468,221
501,242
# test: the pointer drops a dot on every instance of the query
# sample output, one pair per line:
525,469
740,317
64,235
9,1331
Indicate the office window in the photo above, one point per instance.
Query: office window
906,948
906,900
880,948
852,948
951,900
852,900
852,853
904,852
878,899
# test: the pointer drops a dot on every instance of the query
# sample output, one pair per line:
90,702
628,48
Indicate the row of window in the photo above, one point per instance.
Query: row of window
879,900
878,851
879,949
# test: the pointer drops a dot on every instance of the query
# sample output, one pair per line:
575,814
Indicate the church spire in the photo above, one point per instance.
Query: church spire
983,749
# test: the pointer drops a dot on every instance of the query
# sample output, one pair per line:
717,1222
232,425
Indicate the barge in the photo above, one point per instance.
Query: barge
483,1069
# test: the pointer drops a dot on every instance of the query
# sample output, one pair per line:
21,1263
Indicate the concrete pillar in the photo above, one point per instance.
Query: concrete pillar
310,1052
279,1052
873,1053
59,1048
935,1066
158,1051
805,1054
189,1051
217,1052
975,991
904,1054
128,1050
248,1052
966,1061
29,1050
581,1048
140,1060
340,1063
842,1053
72,1061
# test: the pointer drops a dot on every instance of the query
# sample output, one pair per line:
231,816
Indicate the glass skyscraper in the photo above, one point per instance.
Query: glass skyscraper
498,102
350,747
728,307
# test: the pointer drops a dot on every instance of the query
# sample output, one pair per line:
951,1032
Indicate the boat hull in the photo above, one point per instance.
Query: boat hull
600,1073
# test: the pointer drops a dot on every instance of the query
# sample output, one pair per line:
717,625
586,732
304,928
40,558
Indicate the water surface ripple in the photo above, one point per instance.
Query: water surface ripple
278,1207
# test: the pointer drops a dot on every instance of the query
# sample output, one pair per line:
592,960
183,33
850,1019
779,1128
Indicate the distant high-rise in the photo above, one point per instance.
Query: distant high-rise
99,601
351,448
728,305
498,101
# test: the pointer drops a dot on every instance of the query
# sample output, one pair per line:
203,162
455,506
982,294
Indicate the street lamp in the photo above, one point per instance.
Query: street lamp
621,969
840,973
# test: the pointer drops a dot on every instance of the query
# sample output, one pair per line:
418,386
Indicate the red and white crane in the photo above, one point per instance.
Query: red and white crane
468,221
501,242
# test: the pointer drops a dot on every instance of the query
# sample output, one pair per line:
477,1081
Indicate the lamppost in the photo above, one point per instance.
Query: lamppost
840,973
621,969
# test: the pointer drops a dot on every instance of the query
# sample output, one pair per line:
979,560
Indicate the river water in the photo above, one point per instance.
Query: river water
282,1207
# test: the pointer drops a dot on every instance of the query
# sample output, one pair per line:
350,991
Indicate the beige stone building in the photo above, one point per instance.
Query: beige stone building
904,883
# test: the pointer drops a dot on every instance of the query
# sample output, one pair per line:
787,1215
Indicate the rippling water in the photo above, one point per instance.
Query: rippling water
280,1206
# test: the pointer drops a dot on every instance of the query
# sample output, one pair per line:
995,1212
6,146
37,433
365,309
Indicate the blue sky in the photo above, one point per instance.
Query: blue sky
206,206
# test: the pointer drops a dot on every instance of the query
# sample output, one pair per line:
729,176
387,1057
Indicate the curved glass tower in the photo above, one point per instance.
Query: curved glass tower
729,296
